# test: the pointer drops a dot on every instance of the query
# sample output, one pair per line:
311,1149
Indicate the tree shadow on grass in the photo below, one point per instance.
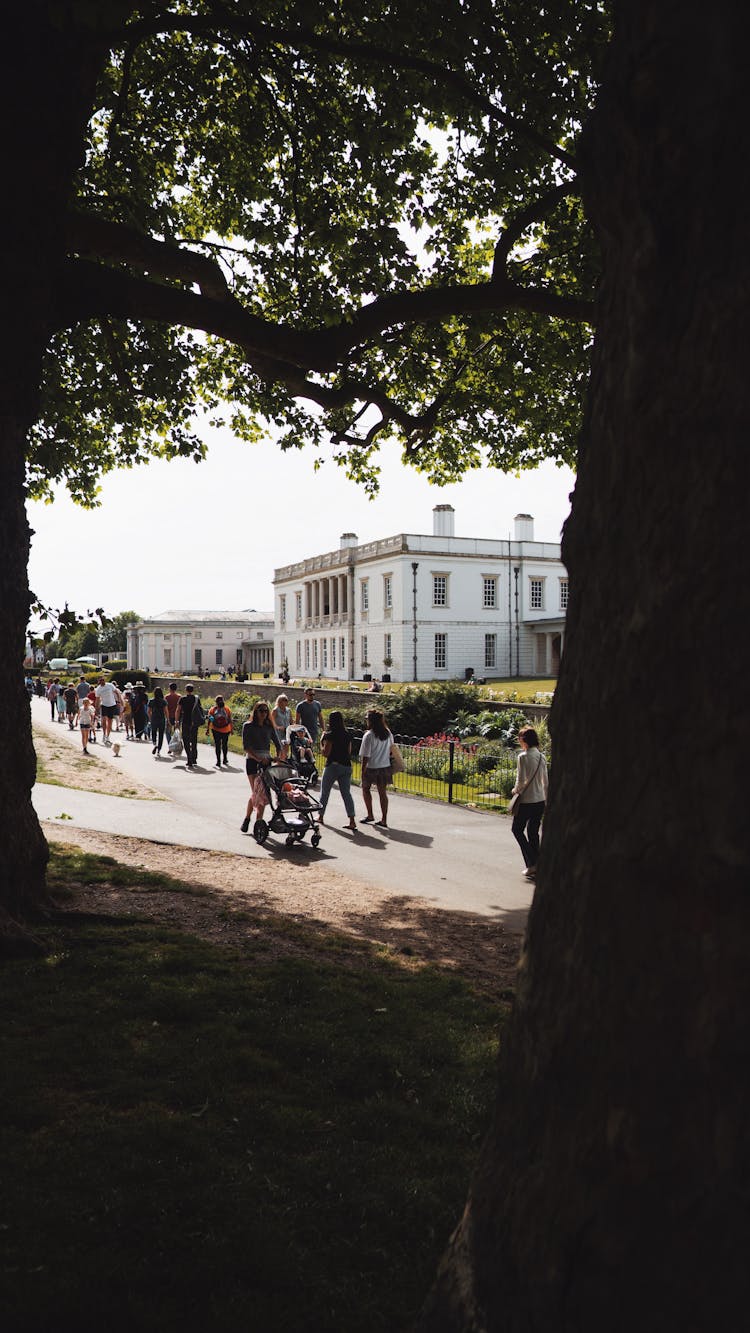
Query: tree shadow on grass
483,950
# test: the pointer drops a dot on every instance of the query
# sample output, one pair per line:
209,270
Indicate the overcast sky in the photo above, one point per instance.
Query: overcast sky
180,534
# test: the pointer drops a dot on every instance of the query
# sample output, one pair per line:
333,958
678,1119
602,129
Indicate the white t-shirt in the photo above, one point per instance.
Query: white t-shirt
106,694
376,752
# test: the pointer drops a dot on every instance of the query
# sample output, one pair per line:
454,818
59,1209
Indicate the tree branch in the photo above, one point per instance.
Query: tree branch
526,218
95,237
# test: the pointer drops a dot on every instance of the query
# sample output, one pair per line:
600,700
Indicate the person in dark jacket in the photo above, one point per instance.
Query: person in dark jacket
337,748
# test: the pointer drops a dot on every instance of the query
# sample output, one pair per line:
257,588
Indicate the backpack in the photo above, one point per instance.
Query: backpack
220,717
198,713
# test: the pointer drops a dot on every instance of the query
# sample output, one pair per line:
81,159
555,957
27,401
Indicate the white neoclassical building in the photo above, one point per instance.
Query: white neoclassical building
420,607
188,641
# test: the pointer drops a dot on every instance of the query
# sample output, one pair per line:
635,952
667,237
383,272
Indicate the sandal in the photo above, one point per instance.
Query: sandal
368,819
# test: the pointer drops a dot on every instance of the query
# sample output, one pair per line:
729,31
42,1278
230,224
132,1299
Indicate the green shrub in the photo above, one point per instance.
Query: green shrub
115,664
241,705
121,678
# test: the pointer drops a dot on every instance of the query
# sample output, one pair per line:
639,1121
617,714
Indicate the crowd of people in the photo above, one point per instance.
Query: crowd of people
174,720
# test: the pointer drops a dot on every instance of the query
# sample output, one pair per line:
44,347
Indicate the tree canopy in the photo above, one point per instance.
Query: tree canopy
357,221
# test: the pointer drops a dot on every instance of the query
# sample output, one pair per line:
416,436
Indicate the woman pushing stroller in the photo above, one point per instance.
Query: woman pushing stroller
258,735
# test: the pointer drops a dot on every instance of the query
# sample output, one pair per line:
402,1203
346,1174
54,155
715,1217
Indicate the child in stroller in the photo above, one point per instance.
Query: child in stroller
301,752
293,810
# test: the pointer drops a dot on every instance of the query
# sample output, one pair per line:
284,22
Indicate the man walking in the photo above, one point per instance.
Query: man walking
107,699
309,713
187,717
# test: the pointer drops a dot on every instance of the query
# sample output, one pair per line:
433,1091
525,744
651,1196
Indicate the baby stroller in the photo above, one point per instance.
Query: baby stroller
293,810
300,749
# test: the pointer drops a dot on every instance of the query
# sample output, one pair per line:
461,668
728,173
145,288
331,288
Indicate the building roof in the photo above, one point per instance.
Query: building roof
188,616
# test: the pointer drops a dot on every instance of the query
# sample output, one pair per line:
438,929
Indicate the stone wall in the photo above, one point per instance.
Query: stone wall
328,698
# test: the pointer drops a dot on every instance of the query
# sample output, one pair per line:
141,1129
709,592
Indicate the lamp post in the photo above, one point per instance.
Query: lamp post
414,568
516,572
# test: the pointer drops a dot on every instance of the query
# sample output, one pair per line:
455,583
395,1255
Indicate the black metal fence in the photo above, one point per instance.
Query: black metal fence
480,774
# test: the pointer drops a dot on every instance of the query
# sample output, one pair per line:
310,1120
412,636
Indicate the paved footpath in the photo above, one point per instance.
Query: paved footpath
463,860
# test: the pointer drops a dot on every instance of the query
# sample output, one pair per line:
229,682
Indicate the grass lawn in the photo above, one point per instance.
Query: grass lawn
196,1138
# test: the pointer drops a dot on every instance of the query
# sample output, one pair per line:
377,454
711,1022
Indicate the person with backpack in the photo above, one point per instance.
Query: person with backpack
219,723
53,689
71,704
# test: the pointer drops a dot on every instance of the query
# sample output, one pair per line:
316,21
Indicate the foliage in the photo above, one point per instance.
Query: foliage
372,208
417,710
241,705
113,636
188,1112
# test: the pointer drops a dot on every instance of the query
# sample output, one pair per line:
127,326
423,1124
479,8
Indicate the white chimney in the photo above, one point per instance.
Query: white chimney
348,540
443,521
524,527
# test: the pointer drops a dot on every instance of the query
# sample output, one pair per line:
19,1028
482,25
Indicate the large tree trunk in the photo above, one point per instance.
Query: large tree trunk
47,74
612,1192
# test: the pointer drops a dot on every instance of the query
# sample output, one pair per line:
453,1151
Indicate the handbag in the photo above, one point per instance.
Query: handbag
175,744
515,800
397,759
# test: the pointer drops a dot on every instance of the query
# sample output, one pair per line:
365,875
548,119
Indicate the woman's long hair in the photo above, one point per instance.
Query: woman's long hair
376,723
336,724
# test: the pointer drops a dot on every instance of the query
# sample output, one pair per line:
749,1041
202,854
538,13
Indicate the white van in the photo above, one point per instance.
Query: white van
58,664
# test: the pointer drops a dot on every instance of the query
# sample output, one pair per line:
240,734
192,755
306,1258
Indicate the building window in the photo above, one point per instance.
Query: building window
440,651
333,654
386,647
490,650
315,655
342,652
387,591
563,594
167,638
307,654
167,657
259,635
238,653
298,604
197,634
365,594
537,594
440,590
219,634
282,609
238,634
298,654
489,593
324,654
198,657
364,659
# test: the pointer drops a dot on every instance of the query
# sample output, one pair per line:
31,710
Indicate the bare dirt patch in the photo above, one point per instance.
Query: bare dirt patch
58,762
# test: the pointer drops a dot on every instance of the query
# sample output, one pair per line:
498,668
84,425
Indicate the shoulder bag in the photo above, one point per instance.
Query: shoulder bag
515,800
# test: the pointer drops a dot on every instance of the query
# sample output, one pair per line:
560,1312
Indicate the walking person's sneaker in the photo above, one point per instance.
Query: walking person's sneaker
244,826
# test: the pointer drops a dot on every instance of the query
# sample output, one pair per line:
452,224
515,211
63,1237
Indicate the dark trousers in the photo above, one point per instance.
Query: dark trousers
526,822
221,741
157,732
190,741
